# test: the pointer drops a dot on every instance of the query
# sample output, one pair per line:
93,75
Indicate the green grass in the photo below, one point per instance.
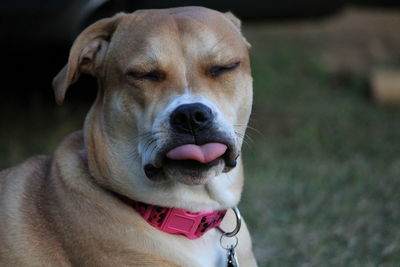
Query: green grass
323,174
323,177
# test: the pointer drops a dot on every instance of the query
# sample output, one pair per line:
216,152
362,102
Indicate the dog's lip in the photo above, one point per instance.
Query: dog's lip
152,169
230,153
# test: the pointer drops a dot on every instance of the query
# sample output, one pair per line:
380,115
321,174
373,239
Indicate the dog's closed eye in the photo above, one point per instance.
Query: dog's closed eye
218,70
154,75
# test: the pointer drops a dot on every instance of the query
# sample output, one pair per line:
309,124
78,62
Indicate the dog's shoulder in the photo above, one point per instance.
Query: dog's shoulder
27,195
13,177
20,186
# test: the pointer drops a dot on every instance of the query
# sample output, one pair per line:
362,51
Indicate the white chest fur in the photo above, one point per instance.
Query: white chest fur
202,252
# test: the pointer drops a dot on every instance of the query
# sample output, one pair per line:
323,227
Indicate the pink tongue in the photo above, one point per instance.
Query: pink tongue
203,154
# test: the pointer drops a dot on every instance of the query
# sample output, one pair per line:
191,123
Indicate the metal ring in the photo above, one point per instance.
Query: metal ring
238,224
228,246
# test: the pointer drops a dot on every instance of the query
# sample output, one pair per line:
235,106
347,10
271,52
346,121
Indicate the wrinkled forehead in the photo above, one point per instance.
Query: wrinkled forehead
155,34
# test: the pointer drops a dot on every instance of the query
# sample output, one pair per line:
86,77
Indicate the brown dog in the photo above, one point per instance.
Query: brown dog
175,95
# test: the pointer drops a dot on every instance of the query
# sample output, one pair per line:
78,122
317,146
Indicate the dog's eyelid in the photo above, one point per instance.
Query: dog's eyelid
153,75
217,70
234,63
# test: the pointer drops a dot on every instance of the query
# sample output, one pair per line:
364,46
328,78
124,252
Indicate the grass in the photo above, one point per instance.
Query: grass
323,177
322,186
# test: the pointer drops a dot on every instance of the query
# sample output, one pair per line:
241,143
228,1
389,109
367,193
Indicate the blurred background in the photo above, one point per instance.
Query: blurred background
322,155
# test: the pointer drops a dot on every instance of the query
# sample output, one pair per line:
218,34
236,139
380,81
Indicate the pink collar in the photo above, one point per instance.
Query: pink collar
177,221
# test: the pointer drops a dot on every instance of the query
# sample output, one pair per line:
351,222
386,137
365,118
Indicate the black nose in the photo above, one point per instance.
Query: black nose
191,117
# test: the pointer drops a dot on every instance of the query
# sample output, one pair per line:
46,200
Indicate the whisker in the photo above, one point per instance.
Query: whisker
250,128
243,138
133,155
150,133
249,137
255,130
154,148
148,144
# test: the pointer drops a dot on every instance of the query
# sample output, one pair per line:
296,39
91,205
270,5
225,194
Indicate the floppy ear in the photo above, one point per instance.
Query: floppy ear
238,24
86,55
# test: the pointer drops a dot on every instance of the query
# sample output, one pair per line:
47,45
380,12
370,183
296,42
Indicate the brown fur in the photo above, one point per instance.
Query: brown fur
57,211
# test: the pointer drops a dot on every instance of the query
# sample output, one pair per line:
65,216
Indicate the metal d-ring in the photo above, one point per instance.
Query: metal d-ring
238,224
227,247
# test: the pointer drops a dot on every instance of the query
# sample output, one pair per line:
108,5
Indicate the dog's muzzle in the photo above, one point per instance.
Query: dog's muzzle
195,144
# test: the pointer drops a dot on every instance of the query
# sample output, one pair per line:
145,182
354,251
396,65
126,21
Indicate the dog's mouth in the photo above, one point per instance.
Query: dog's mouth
202,154
192,163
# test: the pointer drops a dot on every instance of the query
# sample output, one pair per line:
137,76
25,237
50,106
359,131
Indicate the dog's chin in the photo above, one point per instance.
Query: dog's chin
191,172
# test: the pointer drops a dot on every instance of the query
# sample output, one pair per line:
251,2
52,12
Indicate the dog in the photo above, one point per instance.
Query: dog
163,137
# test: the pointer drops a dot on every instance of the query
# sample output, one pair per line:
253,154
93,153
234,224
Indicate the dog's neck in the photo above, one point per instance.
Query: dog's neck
174,220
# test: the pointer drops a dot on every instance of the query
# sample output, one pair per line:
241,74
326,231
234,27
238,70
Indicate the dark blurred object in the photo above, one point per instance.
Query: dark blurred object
61,20
36,35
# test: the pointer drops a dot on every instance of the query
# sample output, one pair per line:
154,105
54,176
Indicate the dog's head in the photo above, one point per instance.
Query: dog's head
175,95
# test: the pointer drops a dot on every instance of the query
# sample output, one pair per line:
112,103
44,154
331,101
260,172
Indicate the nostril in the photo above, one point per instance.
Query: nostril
179,119
200,117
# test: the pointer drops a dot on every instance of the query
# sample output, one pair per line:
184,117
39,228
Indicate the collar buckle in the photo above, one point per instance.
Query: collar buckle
183,222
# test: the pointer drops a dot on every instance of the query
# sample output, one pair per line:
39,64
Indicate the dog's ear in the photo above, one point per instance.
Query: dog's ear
238,24
86,55
233,19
